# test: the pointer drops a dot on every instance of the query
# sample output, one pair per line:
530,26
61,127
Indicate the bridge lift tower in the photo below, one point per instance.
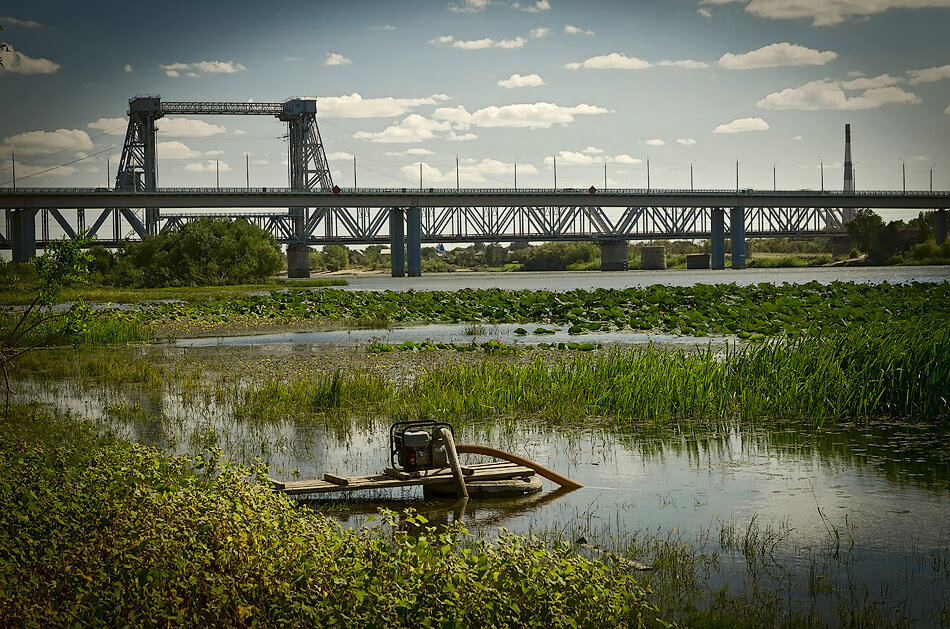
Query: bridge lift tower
308,161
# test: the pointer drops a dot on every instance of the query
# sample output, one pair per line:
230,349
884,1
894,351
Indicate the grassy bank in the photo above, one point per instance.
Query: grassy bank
95,532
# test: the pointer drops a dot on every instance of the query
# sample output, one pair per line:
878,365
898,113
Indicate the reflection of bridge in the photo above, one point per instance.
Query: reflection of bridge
610,217
321,213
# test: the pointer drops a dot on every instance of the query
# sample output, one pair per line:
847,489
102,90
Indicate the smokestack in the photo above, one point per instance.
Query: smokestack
847,213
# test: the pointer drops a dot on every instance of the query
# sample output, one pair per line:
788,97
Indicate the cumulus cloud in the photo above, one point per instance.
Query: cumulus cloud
202,67
777,55
929,75
43,142
516,80
110,126
829,94
469,6
470,172
16,62
355,106
522,115
412,128
176,150
623,158
188,128
686,64
583,158
570,29
613,61
387,27
128,67
741,125
419,151
537,7
828,12
593,150
541,31
686,141
865,83
340,155
704,12
655,142
208,166
479,44
335,59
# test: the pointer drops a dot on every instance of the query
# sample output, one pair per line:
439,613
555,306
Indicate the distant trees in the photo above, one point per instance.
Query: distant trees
204,252
560,256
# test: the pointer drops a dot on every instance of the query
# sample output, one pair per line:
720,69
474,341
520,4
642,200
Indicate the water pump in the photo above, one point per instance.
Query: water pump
418,445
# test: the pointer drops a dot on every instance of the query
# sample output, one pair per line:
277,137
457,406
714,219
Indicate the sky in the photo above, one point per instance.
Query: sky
479,92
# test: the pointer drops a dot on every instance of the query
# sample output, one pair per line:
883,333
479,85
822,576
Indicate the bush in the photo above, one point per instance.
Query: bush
559,256
205,252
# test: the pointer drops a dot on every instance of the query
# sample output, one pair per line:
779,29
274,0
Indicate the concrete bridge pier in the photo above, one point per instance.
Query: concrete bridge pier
22,233
414,241
940,226
737,232
613,255
298,260
718,240
396,245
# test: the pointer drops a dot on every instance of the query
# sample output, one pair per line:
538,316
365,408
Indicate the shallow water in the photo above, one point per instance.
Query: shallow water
862,507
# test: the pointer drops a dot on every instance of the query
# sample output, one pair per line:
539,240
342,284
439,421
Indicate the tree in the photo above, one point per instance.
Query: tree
864,229
205,252
62,263
336,257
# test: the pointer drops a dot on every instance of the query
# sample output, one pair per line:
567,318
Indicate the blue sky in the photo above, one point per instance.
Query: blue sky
686,84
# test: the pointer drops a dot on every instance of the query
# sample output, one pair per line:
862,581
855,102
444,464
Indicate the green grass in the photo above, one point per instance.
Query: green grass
95,532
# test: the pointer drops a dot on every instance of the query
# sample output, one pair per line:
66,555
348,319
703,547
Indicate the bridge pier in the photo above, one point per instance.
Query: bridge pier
396,236
298,260
940,226
737,233
613,255
718,240
414,242
22,233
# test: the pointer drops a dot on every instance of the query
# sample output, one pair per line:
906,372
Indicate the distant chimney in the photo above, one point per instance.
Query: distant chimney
847,213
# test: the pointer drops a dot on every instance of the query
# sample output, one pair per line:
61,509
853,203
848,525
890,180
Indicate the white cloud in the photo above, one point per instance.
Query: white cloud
537,7
686,64
355,106
412,128
828,94
12,21
16,62
593,150
458,116
461,137
570,29
655,142
470,172
865,83
583,158
686,141
43,142
777,55
929,75
479,44
176,150
419,151
188,128
110,126
387,27
240,132
741,125
128,67
828,12
613,61
532,115
797,137
704,12
340,155
469,6
623,158
541,31
202,67
516,80
334,59
208,166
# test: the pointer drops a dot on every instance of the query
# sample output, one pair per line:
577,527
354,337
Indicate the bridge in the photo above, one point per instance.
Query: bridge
312,211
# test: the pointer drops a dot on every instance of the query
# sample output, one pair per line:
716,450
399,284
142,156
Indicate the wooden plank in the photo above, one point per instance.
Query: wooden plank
336,480
383,481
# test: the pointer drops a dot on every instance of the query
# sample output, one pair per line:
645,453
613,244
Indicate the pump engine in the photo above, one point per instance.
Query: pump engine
418,445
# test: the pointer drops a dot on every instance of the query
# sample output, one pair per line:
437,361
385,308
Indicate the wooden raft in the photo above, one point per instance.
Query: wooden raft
331,483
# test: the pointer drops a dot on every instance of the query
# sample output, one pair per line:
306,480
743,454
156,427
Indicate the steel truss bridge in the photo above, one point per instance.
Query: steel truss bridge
312,211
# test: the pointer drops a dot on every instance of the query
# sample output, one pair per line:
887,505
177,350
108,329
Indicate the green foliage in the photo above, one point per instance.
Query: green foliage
927,252
205,252
864,229
100,533
560,256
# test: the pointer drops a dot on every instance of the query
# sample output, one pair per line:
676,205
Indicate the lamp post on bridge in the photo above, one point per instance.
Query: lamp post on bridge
932,176
691,175
605,172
